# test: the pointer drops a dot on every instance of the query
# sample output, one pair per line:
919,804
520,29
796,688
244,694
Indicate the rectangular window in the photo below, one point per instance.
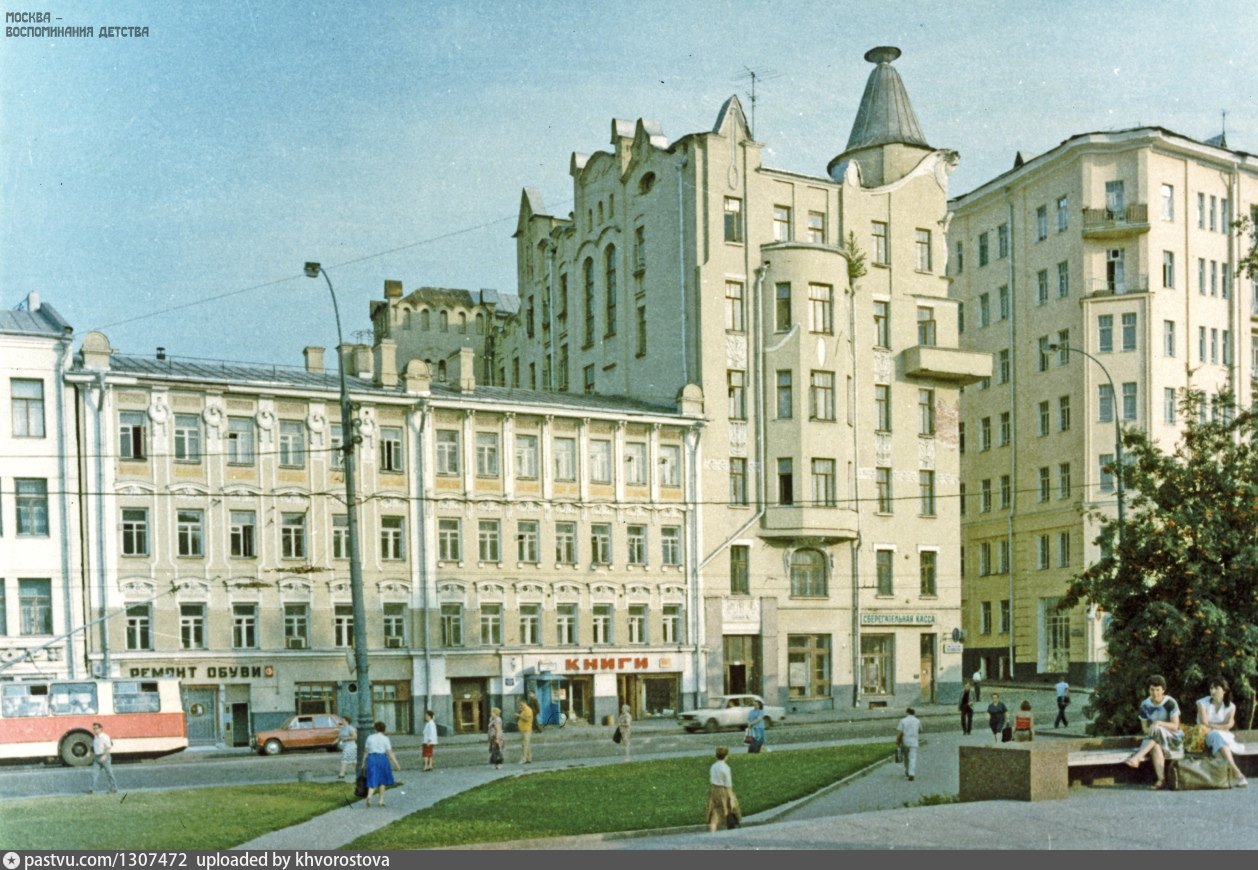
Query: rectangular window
926,491
526,457
131,440
785,394
638,623
565,459
530,624
190,532
985,618
984,310
1063,280
1129,400
1168,338
670,545
526,541
187,438
140,627
601,621
740,569
1168,203
635,538
921,244
880,252
1041,287
566,543
781,223
452,624
808,662
27,407
786,481
925,412
392,538
985,434
600,543
882,477
1063,213
821,396
928,571
1168,404
1006,614
1201,211
738,481
672,624
1006,429
1002,241
984,559
1063,413
1041,223
244,626
816,227
782,318
821,308
600,461
1003,296
733,219
823,483
293,443
490,624
240,441
882,323
340,536
985,496
1105,403
488,543
736,384
394,626
1105,333
882,407
135,532
1063,549
884,563
670,465
1002,557
1129,331
34,605
639,347
1006,492
635,463
449,541
958,256
926,327
1042,419
191,626
296,626
448,464
391,456
1042,358
1168,269
982,249
1063,480
293,535
566,624
1045,483
735,317
487,454
1107,472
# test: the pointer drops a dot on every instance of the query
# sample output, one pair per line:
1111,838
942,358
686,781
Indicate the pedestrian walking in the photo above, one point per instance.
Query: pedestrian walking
381,762
908,734
966,707
755,728
524,721
723,809
430,740
625,725
497,742
977,680
997,716
347,739
102,758
1063,701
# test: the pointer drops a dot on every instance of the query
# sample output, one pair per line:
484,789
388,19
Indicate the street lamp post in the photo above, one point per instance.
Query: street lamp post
1118,429
348,442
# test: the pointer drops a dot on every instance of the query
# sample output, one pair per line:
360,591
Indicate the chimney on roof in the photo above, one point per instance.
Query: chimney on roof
463,373
418,377
96,351
32,301
385,353
314,359
161,353
362,361
392,289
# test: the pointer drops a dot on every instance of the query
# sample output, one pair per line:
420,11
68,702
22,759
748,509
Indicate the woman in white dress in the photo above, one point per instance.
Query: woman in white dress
1217,714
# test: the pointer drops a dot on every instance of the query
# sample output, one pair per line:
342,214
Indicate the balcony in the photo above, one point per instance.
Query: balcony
1121,287
826,524
1104,223
947,364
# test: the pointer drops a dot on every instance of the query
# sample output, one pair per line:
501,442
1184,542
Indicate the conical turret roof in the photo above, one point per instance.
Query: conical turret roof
885,115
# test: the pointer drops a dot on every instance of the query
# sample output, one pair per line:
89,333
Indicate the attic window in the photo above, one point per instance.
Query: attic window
646,183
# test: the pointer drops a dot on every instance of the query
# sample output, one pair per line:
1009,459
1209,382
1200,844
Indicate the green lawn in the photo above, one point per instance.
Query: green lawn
208,818
617,797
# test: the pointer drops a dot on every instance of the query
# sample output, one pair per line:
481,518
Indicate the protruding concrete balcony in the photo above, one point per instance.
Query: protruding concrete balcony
948,364
825,524
1105,223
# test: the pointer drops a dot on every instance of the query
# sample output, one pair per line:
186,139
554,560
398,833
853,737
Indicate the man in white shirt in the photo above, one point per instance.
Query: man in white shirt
1063,700
908,732
102,758
977,680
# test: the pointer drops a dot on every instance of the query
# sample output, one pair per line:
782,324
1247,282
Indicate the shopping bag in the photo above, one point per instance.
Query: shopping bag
1193,772
748,738
732,821
1007,735
616,736
360,786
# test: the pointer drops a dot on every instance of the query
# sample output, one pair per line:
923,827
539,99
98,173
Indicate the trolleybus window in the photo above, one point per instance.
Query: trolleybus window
22,699
131,696
71,698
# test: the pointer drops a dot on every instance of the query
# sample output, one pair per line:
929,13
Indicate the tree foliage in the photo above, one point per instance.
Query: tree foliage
1178,583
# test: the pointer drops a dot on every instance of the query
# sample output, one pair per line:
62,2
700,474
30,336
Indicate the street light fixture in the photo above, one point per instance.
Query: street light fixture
348,441
1118,429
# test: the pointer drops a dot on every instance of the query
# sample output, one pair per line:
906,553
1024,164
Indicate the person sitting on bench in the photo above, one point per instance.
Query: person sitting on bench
1159,719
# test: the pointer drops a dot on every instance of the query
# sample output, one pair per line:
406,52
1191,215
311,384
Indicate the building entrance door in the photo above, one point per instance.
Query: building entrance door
200,706
469,706
928,668
240,724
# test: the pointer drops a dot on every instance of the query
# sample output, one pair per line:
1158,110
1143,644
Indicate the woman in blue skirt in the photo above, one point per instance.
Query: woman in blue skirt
381,762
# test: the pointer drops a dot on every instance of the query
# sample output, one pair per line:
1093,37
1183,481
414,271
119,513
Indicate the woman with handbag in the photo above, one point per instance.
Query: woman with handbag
1217,714
381,762
624,725
754,737
997,716
496,740
723,806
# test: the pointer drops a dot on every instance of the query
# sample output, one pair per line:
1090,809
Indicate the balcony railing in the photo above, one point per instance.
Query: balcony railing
1129,284
1112,222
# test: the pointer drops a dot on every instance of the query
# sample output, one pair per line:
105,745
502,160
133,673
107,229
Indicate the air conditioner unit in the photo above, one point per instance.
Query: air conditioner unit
393,642
295,642
98,670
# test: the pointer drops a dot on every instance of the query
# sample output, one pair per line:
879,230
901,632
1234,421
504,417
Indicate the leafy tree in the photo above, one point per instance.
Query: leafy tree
1179,581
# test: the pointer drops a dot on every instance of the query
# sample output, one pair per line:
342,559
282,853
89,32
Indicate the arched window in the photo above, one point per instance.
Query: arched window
462,323
588,275
424,321
443,319
808,574
646,182
609,264
480,323
406,319
441,370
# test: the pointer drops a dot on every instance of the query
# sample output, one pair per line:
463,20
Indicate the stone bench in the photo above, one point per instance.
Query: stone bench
1045,769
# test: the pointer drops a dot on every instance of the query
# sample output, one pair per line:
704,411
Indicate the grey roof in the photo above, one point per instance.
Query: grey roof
42,321
885,115
575,401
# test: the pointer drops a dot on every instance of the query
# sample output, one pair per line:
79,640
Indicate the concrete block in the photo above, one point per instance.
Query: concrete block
1014,771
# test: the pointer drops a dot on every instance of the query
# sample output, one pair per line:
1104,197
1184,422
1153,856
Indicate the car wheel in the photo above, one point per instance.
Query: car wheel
710,726
76,750
272,747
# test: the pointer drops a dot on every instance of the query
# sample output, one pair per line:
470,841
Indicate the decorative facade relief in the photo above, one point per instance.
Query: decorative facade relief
736,351
884,367
883,451
738,438
926,453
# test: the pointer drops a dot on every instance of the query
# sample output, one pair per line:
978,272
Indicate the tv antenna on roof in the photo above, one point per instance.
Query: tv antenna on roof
763,75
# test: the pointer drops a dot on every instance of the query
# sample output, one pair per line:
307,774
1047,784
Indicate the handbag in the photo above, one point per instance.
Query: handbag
360,786
748,737
732,821
495,756
1006,736
1193,772
616,735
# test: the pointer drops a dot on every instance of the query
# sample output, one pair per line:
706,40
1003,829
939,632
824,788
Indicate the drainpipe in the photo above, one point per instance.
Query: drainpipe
98,414
421,546
854,489
762,398
62,507
681,269
1013,428
550,306
697,621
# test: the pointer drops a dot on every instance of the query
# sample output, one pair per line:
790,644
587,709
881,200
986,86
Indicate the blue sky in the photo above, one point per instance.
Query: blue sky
168,189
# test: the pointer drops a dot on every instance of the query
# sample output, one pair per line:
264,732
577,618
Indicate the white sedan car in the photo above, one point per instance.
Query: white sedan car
728,711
